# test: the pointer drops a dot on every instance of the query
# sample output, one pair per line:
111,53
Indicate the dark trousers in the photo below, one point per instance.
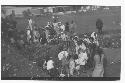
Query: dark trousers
100,30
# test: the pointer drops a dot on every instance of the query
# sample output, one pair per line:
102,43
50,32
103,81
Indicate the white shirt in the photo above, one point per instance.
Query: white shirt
50,64
71,66
30,23
96,42
62,54
64,36
77,48
77,67
93,35
55,24
56,27
82,58
95,38
87,40
28,34
83,46
47,34
62,27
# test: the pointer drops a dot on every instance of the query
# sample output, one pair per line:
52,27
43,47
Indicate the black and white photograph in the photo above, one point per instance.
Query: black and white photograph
60,42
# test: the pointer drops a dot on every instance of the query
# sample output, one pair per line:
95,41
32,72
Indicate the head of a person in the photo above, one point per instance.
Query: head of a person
67,23
72,22
69,57
91,39
80,50
75,38
59,23
75,56
51,23
85,36
97,58
62,33
53,17
80,42
29,18
13,12
99,19
50,58
48,23
47,27
65,48
55,21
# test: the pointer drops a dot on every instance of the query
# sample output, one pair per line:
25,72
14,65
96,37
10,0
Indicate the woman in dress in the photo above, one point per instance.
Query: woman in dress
99,69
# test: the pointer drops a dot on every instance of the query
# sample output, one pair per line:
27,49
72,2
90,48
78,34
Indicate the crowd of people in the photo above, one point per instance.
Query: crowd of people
76,54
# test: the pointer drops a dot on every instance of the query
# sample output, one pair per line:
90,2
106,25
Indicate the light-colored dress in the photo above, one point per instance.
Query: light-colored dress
82,46
50,64
62,54
82,58
62,27
30,24
71,66
98,71
64,37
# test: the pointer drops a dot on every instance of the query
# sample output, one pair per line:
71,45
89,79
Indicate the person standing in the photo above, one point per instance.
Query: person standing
99,25
72,27
99,69
30,23
67,27
13,19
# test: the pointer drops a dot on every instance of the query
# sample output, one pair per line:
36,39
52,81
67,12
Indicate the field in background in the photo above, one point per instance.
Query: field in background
22,66
85,23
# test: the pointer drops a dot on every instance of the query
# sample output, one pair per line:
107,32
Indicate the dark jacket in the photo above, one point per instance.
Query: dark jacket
99,24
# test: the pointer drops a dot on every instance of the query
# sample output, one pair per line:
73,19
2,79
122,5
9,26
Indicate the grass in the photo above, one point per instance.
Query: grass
84,24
